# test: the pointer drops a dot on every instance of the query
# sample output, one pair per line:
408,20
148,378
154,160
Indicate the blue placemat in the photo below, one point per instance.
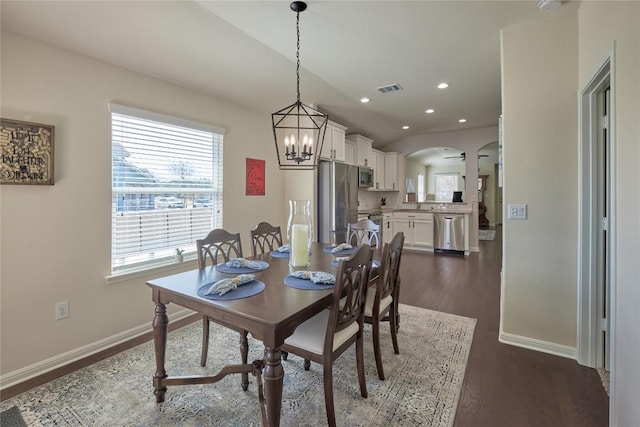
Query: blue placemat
374,263
243,291
294,282
222,268
277,254
341,253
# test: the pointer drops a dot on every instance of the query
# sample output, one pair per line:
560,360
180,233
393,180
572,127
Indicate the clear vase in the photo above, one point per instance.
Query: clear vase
299,232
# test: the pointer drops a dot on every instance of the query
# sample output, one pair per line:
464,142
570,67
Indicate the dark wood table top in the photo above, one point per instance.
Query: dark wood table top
279,308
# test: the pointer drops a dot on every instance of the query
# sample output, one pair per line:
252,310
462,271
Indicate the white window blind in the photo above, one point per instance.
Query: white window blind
446,184
166,186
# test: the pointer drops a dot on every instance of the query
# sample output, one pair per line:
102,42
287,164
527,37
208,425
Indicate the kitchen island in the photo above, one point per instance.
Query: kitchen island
418,225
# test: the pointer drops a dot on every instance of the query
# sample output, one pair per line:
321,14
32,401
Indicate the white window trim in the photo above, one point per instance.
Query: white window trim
158,117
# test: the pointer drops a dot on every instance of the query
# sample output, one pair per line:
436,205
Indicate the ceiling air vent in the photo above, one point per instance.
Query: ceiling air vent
389,88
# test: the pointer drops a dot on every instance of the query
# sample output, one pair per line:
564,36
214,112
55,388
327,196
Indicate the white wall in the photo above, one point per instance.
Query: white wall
56,239
540,151
607,27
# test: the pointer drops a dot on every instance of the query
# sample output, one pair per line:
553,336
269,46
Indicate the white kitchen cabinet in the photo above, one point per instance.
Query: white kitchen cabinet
378,170
349,153
417,228
333,147
363,149
423,233
387,227
391,177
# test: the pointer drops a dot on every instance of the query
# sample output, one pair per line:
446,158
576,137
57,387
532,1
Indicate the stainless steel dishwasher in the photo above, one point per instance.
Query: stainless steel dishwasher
449,232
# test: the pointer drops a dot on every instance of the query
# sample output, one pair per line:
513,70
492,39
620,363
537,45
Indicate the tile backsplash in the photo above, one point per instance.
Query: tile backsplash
371,199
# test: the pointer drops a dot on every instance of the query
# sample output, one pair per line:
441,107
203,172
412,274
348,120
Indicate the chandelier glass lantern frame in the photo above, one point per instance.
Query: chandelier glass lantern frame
298,129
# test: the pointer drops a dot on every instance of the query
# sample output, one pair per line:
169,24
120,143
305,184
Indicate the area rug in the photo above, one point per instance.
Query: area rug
605,379
422,386
486,234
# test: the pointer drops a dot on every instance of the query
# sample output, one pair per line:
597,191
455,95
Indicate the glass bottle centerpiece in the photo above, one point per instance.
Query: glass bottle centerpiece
299,232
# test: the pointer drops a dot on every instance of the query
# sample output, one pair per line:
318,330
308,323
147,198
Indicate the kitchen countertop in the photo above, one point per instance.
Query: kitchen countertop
370,212
452,208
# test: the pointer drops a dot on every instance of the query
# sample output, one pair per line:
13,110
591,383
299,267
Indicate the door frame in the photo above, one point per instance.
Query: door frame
588,221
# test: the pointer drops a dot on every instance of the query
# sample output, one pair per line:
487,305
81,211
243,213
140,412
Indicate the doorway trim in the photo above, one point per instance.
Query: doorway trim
588,220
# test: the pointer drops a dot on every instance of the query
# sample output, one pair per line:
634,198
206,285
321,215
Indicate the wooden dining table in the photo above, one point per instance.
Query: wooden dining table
270,316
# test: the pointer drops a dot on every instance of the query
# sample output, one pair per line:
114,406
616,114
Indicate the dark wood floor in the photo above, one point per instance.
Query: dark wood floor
504,385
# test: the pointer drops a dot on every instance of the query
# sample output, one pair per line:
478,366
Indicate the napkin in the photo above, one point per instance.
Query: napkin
341,247
223,286
341,258
284,248
317,277
241,262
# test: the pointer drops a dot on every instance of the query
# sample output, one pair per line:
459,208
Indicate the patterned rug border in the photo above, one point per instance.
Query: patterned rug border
423,383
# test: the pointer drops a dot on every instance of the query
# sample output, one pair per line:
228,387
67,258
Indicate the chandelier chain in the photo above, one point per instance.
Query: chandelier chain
298,55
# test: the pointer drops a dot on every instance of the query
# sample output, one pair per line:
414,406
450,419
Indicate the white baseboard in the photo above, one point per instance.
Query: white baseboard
40,368
538,345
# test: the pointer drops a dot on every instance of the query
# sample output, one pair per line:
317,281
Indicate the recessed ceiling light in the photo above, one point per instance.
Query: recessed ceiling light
405,127
443,85
430,111
462,120
365,100
548,5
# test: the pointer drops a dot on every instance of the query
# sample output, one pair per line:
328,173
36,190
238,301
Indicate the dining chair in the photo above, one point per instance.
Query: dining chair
220,244
331,332
363,231
382,302
265,238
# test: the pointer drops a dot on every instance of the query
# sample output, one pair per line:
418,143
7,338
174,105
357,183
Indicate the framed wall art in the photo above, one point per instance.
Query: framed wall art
255,177
26,153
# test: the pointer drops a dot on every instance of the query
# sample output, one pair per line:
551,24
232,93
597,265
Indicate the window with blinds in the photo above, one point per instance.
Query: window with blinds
166,186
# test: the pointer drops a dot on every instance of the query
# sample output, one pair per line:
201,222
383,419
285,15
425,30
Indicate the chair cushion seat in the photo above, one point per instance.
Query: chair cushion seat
384,303
310,335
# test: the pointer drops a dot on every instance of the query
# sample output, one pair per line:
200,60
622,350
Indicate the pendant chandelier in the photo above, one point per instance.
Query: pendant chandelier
298,129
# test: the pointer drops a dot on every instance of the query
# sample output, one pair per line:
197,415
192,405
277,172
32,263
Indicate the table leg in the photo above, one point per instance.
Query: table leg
244,353
273,379
160,326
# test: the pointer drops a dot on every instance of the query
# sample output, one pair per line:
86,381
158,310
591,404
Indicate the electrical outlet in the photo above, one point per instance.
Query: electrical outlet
517,211
62,310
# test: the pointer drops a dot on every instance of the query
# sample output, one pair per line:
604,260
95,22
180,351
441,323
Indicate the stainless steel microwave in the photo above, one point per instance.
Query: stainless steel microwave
365,177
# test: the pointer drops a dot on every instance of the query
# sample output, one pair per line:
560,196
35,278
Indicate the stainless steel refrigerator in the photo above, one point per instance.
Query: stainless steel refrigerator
337,200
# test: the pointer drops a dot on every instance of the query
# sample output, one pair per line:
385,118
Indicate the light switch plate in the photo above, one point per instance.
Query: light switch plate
517,211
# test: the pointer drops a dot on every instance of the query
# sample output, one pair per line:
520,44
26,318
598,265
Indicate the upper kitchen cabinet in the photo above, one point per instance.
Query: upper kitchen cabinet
363,146
377,165
349,153
391,171
333,147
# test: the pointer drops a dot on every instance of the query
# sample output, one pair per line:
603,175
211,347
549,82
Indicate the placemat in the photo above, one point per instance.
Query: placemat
243,291
307,285
277,254
222,268
341,253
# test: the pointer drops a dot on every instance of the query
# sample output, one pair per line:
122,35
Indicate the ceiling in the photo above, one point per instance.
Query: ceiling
448,156
244,52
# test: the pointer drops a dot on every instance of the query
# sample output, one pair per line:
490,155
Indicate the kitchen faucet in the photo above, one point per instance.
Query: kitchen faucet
419,204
